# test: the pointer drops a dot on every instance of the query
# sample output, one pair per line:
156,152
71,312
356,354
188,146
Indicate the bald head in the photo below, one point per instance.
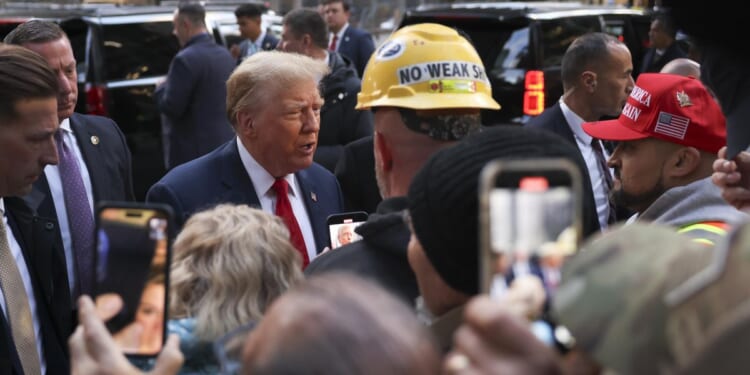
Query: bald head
684,67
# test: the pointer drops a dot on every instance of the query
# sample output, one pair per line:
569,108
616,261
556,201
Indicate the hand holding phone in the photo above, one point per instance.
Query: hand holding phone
132,269
341,227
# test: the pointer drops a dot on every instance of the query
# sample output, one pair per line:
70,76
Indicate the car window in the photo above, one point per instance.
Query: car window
557,34
514,52
138,50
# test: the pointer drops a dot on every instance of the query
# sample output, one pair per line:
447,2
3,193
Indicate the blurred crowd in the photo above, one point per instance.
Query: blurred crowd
639,267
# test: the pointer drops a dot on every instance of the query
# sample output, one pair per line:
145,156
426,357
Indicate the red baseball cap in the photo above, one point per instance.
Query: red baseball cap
669,107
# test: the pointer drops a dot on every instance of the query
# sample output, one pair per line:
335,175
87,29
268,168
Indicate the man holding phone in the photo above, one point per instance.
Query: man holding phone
408,130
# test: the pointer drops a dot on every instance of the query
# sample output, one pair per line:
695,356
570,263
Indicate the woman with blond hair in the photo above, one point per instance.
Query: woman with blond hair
229,263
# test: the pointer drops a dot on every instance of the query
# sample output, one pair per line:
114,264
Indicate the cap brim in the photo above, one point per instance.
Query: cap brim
611,130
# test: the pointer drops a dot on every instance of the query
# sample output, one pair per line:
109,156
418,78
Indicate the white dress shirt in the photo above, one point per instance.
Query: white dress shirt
263,183
339,35
52,172
15,250
598,184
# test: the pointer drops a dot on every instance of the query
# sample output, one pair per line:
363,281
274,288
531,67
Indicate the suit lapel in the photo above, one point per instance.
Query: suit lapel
314,209
34,234
234,177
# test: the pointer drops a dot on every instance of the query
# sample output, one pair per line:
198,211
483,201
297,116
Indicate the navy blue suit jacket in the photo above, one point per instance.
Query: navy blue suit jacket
269,43
46,263
553,120
220,177
193,100
358,45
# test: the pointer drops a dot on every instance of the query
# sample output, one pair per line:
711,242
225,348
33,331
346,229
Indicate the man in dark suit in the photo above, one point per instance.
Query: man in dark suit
98,147
36,316
191,100
356,44
664,47
250,20
597,79
277,118
355,171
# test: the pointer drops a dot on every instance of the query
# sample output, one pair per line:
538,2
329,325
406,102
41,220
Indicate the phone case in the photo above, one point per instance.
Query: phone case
132,258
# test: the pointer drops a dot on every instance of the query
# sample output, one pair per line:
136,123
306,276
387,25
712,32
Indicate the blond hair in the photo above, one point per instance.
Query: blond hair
264,75
230,262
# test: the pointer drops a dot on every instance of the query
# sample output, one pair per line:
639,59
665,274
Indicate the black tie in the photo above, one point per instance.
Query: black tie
604,169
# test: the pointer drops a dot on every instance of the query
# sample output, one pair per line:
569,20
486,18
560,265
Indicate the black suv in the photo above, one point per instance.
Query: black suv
522,43
122,52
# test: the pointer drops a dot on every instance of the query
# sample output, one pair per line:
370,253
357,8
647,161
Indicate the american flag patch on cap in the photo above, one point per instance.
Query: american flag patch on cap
672,125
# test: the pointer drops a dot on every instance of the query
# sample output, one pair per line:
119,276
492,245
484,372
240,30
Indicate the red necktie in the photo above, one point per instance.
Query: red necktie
284,211
335,39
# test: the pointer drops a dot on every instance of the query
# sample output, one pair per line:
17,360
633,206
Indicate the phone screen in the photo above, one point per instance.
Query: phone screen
341,228
532,224
132,264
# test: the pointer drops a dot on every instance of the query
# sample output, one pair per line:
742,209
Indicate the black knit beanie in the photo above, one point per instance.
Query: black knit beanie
444,195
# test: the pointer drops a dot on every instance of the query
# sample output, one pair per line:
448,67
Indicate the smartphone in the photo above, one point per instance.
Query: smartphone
132,264
530,221
341,228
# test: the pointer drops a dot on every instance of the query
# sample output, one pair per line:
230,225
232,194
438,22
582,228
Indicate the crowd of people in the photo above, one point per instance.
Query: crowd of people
267,140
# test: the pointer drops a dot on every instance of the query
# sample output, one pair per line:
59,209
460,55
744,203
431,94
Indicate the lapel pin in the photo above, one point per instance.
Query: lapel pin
314,196
94,140
346,39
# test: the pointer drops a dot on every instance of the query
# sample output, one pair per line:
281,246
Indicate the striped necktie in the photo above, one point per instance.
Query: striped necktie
604,169
17,307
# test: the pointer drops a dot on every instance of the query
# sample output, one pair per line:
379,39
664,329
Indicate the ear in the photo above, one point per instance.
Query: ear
683,162
383,152
245,125
588,80
307,40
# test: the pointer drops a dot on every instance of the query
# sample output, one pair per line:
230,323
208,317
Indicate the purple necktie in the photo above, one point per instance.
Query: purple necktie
80,216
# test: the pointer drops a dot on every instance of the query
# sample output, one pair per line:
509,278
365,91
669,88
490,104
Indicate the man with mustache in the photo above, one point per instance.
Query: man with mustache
669,133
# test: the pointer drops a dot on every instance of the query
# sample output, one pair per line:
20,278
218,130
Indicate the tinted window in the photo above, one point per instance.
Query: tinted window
514,52
559,33
139,50
488,37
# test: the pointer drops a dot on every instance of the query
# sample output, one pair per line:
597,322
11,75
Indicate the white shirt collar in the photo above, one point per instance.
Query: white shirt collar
65,125
341,32
261,179
259,42
575,122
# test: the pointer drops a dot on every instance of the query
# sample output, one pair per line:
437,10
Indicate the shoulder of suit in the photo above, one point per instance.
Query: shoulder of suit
317,171
93,120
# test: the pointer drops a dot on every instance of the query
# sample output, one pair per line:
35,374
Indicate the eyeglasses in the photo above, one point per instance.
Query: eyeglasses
228,349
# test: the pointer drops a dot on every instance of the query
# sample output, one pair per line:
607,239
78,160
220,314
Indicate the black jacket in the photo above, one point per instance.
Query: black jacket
46,264
340,123
553,120
380,255
651,64
355,171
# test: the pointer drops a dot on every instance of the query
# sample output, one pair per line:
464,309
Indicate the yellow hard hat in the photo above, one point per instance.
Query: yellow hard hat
426,66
